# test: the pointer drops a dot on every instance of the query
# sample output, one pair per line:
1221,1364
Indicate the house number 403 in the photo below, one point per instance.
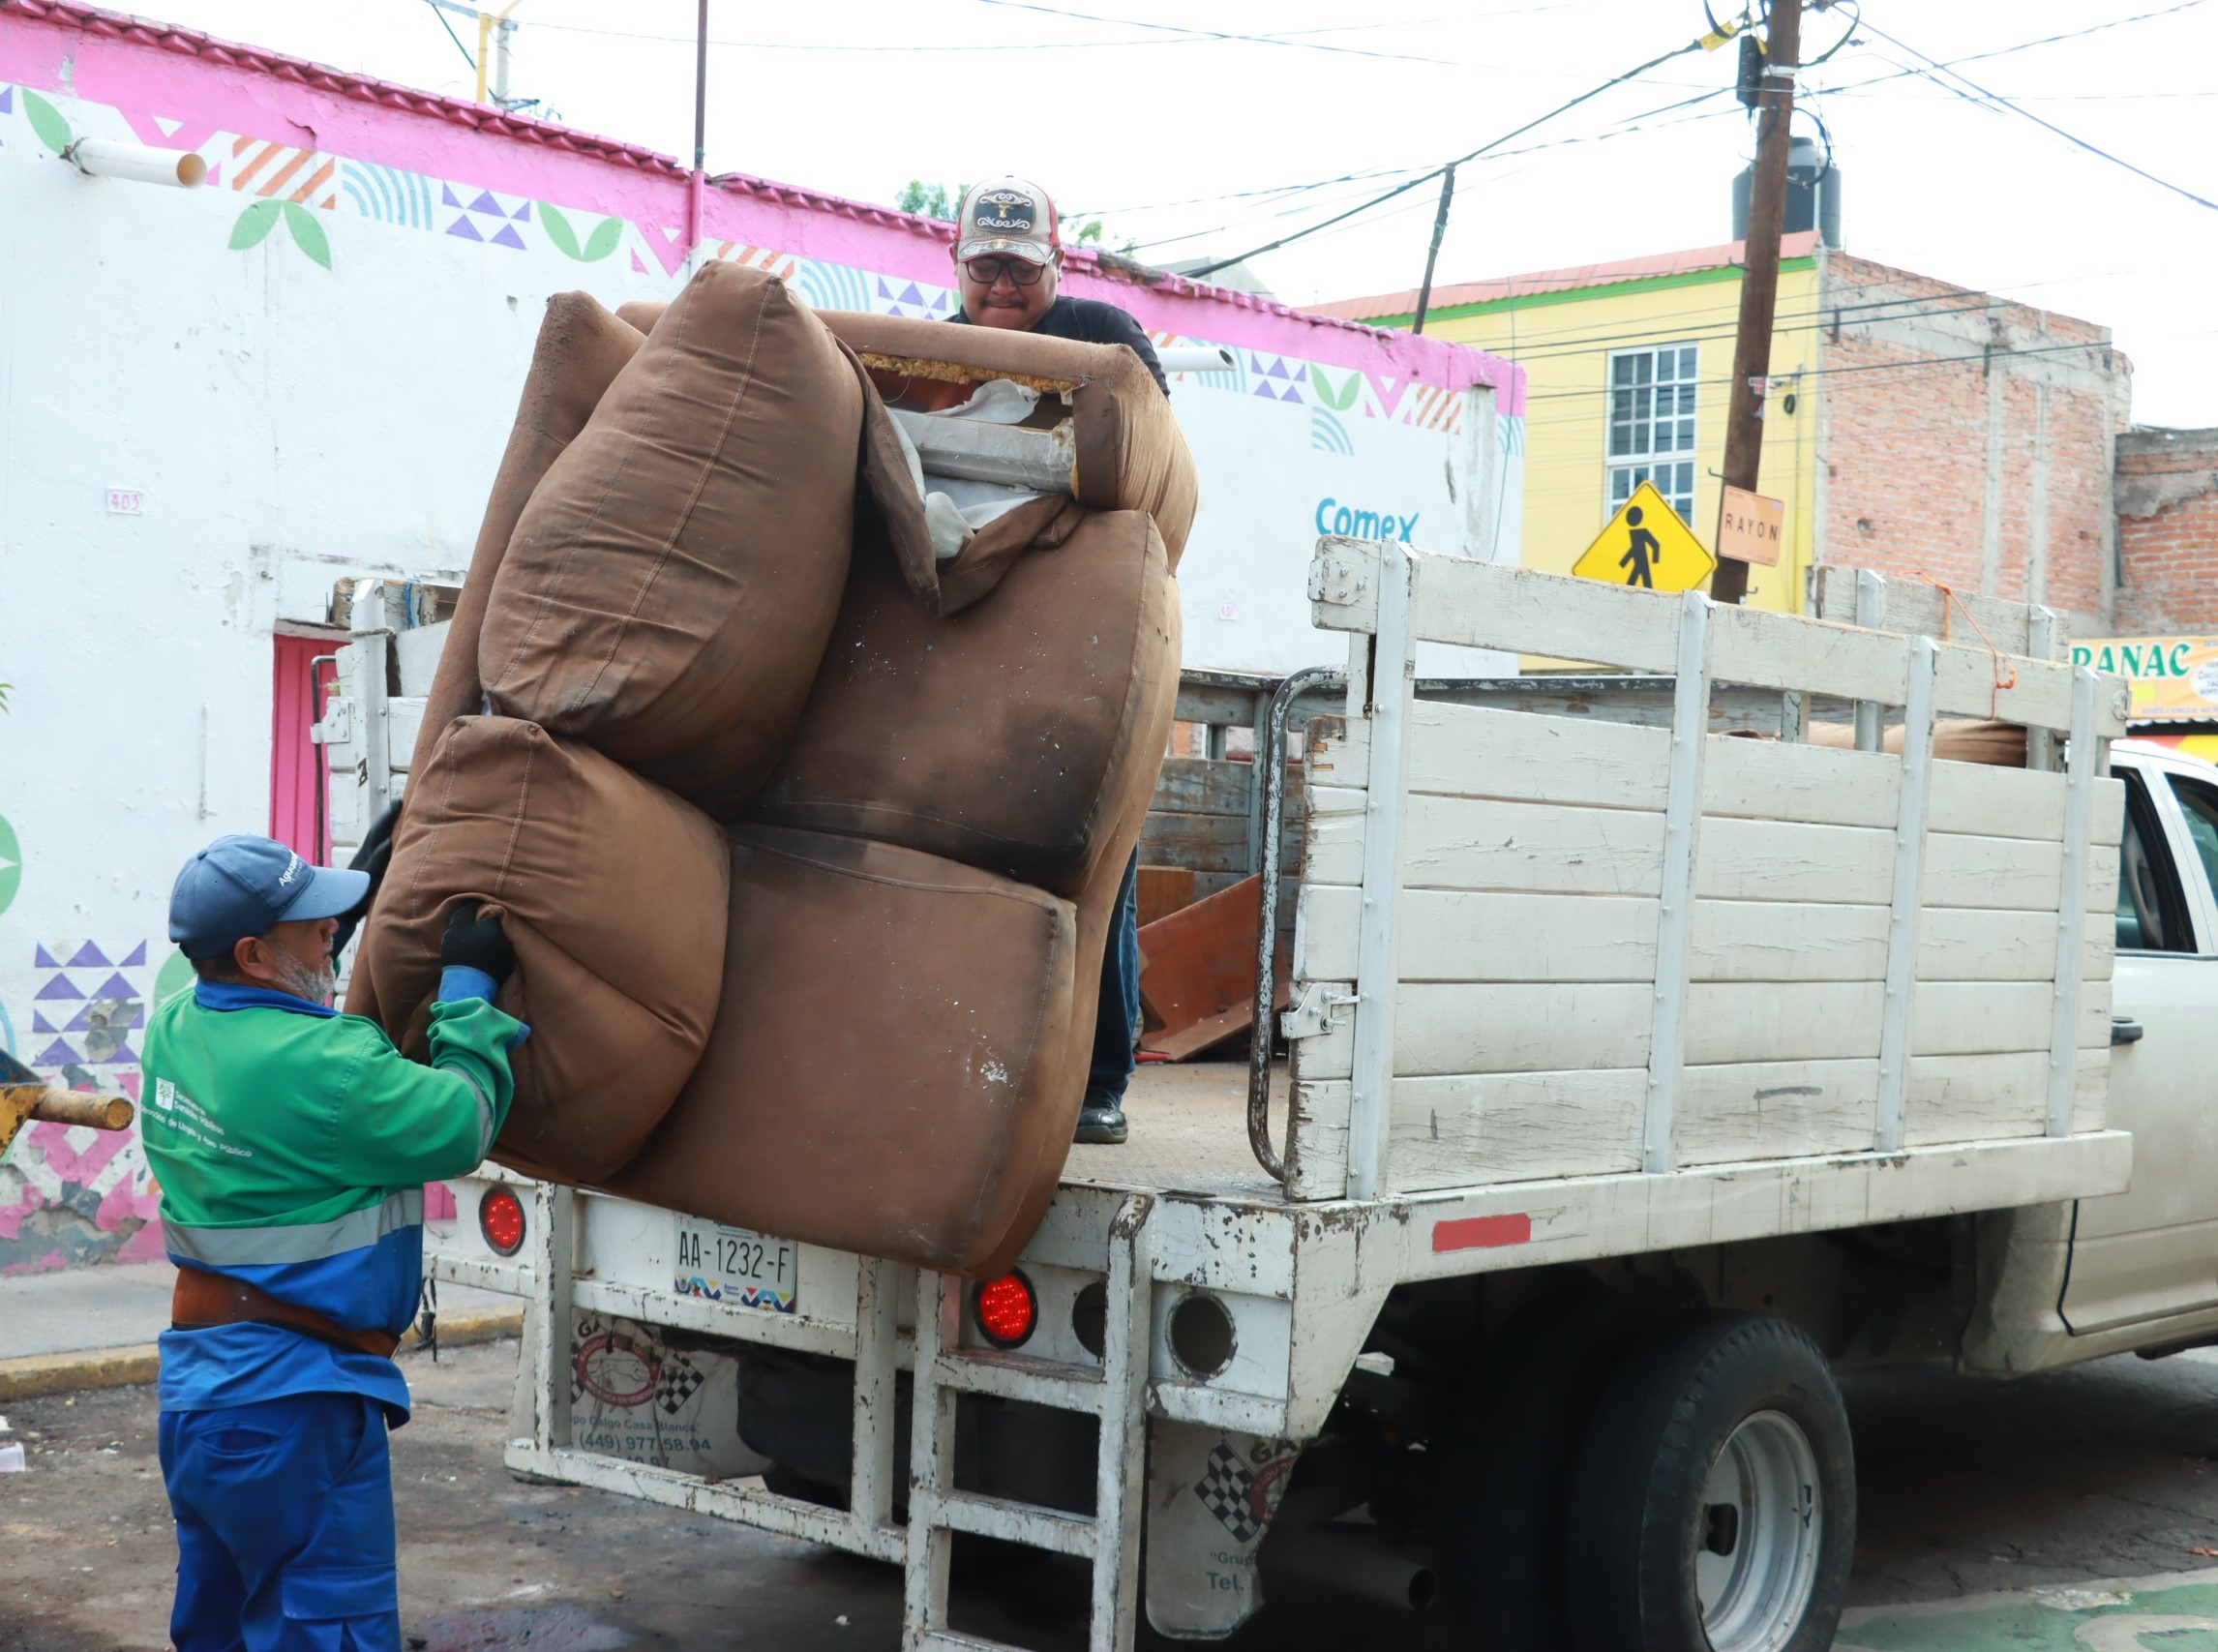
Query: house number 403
126,502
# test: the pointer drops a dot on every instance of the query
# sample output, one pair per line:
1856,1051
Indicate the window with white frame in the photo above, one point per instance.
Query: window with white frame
1652,425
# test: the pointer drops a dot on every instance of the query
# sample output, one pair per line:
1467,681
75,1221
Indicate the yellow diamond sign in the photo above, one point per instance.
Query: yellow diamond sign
1647,545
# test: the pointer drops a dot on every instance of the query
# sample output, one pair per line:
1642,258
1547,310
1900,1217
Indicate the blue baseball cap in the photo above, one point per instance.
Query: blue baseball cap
239,886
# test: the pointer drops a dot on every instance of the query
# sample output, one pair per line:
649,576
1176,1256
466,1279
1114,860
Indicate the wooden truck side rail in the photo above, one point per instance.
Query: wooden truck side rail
1567,949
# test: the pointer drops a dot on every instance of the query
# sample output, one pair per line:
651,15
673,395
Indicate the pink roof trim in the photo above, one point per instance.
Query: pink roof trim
1732,252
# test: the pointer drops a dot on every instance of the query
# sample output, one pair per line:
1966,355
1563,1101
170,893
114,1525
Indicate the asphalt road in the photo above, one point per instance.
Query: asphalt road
2072,1479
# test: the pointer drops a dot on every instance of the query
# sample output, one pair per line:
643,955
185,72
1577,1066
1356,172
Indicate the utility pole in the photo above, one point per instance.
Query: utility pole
1432,254
698,182
502,32
493,26
1760,273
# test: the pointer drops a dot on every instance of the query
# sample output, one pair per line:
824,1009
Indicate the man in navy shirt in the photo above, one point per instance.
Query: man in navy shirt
1009,262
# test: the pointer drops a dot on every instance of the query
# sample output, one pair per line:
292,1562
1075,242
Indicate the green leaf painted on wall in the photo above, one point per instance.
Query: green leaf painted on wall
11,866
604,239
253,223
47,121
565,234
1338,400
308,234
558,230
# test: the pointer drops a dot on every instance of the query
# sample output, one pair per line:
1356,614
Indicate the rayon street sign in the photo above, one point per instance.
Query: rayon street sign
1749,526
1646,544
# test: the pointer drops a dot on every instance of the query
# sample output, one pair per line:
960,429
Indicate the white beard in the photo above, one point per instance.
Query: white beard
317,986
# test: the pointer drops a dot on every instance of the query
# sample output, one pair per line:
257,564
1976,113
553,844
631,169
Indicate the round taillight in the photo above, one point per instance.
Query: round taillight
501,1219
1006,1310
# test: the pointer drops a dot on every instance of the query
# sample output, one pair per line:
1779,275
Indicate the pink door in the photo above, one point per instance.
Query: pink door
297,773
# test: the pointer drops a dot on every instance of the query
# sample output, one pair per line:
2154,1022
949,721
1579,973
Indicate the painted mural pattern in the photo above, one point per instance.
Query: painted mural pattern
72,1196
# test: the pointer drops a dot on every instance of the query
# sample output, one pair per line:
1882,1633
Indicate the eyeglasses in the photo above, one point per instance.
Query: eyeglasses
986,271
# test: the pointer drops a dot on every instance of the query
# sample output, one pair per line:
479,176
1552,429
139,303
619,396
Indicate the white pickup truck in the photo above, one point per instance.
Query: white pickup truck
1640,1078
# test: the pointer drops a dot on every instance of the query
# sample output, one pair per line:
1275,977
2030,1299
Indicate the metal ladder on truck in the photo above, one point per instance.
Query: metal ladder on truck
1115,1394
1087,1229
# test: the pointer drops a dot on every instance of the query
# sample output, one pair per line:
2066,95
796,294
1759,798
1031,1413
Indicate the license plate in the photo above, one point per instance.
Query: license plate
735,1265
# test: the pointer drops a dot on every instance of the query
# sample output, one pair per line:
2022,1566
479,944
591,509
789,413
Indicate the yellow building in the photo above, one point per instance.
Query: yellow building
1628,368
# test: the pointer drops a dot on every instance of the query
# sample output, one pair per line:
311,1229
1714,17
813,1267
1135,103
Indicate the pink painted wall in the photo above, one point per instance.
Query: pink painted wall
178,88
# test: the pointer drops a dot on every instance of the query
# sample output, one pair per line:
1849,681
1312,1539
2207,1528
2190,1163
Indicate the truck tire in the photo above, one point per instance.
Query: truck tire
1715,1504
1505,1478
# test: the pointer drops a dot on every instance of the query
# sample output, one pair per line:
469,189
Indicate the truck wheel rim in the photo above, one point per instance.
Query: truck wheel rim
1758,1532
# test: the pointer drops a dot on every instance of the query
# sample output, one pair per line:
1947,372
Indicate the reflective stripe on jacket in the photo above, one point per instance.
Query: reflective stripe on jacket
292,1144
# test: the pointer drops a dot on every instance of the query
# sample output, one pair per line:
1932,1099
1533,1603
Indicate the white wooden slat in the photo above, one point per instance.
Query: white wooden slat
1776,780
1918,606
1777,1110
1464,1130
1522,610
1789,860
1966,686
1479,843
1976,1097
1317,1139
1336,757
1516,1125
1491,605
1992,873
1775,650
1963,944
1455,935
1487,751
1972,1018
1535,1027
1484,751
1983,801
1465,843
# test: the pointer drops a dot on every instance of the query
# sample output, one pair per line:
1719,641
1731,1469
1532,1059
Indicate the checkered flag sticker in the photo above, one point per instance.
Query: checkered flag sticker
1226,1487
676,1383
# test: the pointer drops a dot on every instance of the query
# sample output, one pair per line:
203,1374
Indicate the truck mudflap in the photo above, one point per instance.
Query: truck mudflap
1210,1498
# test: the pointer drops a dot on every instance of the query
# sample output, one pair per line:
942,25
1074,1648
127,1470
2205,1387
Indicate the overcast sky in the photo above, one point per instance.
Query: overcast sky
1177,139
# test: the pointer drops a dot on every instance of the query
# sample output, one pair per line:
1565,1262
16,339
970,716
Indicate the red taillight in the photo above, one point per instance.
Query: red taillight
501,1219
1008,1310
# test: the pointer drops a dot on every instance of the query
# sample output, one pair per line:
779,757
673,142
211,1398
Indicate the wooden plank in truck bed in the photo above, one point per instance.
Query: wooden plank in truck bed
1846,950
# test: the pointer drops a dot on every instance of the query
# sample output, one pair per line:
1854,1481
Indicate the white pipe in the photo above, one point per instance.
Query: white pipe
104,158
1197,358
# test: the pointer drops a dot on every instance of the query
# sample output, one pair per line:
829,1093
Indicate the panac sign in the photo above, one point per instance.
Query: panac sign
2173,678
1333,517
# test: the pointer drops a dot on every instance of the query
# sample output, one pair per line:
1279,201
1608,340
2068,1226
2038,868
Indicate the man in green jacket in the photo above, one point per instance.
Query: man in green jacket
292,1144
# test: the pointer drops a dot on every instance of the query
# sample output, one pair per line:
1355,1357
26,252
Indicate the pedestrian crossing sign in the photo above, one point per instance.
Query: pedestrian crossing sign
1646,545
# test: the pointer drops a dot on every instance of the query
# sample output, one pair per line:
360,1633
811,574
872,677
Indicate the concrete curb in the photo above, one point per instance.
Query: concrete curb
120,1368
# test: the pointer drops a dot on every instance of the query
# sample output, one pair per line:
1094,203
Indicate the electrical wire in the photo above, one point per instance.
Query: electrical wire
1858,367
1213,34
1934,71
2026,45
1437,172
451,35
1189,38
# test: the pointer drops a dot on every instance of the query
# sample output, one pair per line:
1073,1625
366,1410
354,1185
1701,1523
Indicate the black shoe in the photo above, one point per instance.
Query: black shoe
1101,1120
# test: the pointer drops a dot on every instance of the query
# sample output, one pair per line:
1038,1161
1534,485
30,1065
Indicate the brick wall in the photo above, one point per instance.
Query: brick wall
1908,396
2167,531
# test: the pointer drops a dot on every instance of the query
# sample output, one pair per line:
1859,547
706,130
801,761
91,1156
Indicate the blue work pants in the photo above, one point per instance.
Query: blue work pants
1111,1068
285,1527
